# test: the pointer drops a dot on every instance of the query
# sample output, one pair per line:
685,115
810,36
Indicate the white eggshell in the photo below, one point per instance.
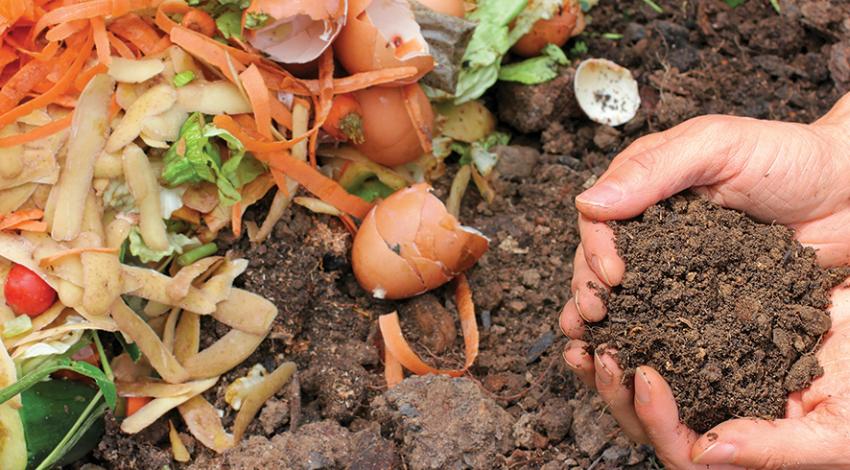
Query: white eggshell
606,92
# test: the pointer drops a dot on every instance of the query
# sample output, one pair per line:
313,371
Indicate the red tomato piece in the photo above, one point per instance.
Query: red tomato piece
26,293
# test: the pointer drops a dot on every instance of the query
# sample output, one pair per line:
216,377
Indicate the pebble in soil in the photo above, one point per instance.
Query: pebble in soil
727,309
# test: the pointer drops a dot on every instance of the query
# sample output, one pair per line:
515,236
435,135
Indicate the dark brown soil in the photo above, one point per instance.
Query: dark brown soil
699,56
728,310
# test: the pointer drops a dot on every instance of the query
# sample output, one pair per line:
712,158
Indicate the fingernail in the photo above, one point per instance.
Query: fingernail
570,364
602,195
643,390
717,453
599,268
578,308
604,373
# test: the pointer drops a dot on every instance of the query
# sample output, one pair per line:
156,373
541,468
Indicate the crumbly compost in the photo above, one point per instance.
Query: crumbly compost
730,311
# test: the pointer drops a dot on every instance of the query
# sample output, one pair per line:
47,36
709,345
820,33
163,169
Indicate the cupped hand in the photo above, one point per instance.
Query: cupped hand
814,435
792,174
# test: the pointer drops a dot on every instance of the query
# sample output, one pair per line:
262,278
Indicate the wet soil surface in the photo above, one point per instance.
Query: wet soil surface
728,310
525,408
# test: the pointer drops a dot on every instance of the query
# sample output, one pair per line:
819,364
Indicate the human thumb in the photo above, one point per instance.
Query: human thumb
627,189
785,443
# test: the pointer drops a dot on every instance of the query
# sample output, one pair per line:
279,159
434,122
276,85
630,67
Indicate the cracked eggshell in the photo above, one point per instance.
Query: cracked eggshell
382,34
409,244
606,92
299,30
567,23
389,136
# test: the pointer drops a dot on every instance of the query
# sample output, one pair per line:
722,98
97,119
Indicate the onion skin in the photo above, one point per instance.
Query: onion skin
360,47
389,136
446,7
556,30
409,244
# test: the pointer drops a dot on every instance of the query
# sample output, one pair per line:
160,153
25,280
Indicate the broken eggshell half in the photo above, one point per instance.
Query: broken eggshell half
381,34
606,92
298,31
409,244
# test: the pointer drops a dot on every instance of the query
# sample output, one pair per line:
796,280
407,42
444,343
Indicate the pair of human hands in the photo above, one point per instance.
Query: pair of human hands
793,174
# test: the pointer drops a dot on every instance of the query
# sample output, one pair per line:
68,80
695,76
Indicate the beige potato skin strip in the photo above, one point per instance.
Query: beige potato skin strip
13,198
156,408
89,128
145,189
10,157
151,285
204,423
155,101
101,281
187,336
149,343
232,312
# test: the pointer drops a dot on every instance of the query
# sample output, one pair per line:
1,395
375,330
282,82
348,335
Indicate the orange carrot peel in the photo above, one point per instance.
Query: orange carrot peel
397,350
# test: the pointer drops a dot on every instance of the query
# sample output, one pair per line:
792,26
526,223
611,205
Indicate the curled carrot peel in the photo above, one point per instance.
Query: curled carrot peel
396,346
317,183
63,31
24,80
358,81
255,142
138,32
37,133
200,21
48,260
64,82
258,95
16,218
120,46
101,40
135,404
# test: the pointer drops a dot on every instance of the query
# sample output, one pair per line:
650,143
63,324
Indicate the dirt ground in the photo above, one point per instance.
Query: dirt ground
518,407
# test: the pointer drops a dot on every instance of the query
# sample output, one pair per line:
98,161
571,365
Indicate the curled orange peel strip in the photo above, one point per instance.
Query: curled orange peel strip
398,351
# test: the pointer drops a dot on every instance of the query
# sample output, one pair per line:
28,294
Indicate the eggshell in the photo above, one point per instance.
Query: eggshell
409,244
373,259
606,92
556,30
446,7
299,30
372,31
390,138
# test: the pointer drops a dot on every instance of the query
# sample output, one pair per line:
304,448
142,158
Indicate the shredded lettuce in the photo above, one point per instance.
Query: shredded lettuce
501,23
117,196
177,243
183,78
195,158
227,14
17,326
478,153
537,69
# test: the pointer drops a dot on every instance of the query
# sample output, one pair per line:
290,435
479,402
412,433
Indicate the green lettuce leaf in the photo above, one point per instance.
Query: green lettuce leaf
478,153
492,39
537,69
177,243
201,160
229,24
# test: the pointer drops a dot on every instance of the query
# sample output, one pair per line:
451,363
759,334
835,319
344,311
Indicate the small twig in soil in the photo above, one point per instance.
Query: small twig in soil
595,462
655,7
294,403
775,5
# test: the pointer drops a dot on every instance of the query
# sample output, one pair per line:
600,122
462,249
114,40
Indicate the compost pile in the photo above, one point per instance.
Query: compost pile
728,310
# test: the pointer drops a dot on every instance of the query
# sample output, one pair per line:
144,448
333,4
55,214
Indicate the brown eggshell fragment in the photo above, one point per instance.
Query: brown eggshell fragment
409,244
298,30
381,34
372,258
566,23
389,136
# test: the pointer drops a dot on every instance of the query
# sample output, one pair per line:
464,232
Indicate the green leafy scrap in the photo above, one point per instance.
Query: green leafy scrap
195,158
537,69
256,20
177,243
